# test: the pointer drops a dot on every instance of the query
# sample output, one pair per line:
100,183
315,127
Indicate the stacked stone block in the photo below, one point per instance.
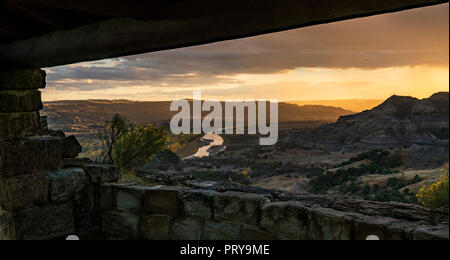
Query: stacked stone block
180,213
20,102
44,191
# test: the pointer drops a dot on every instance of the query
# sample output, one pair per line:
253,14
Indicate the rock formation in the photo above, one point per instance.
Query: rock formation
164,161
399,122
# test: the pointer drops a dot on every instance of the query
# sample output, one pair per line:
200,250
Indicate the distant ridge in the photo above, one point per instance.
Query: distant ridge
355,105
86,116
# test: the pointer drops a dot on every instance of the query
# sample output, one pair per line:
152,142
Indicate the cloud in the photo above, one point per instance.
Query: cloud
417,37
300,84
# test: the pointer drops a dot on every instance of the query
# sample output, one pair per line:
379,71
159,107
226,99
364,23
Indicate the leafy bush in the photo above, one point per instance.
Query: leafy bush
417,179
126,144
218,176
381,161
366,190
391,195
322,183
436,195
344,180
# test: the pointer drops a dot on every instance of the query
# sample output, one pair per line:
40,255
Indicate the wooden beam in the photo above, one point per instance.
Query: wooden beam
18,24
34,15
112,8
123,36
152,9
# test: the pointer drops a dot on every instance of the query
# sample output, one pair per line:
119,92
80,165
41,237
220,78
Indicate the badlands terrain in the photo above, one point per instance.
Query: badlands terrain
385,153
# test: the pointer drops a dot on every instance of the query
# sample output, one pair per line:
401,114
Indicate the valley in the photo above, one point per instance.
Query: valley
384,154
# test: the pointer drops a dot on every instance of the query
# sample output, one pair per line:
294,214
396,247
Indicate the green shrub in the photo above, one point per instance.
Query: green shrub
126,144
366,190
436,195
417,179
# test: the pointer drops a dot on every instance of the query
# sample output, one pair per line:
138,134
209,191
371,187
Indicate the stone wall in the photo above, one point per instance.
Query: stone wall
181,213
50,205
20,102
44,192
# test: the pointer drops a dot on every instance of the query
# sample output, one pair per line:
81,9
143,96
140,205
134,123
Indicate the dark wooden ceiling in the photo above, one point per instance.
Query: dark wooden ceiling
23,19
45,33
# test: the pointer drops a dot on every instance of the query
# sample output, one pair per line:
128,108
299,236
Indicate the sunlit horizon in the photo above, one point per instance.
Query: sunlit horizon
373,58
419,82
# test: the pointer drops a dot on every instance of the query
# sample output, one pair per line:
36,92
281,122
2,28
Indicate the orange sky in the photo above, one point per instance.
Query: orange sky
405,53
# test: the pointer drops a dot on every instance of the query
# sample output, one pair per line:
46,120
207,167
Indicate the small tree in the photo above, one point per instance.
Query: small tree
126,144
111,133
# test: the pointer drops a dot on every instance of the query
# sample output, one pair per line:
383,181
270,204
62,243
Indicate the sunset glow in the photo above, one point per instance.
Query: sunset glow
403,53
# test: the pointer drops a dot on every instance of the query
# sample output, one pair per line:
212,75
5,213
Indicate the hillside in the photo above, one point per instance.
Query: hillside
84,117
399,122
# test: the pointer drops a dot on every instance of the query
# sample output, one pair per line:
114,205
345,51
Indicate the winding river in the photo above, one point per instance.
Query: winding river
210,144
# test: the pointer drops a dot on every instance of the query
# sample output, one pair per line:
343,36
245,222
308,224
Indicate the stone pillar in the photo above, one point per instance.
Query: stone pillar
44,191
20,102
